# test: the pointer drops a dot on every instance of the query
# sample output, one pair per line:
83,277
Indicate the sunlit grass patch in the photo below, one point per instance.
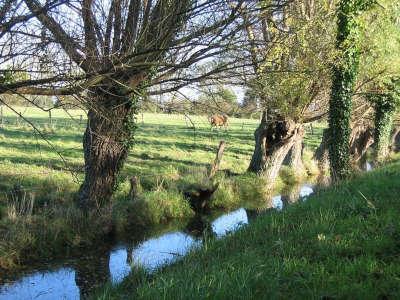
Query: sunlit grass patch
159,206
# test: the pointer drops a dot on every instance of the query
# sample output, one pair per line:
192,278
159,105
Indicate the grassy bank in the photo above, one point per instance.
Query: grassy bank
168,155
342,243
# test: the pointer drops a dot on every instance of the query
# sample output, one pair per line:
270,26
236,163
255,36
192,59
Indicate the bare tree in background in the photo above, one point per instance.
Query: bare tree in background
109,53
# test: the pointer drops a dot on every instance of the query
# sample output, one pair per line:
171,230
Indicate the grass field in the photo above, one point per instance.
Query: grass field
168,153
342,243
164,144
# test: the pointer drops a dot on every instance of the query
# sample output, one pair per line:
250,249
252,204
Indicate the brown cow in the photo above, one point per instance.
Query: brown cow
219,121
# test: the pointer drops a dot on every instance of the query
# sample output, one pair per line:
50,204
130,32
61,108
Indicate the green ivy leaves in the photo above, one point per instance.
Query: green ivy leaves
343,81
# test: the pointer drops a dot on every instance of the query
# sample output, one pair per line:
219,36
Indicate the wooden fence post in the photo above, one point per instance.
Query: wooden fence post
50,119
311,128
217,160
18,118
134,187
1,116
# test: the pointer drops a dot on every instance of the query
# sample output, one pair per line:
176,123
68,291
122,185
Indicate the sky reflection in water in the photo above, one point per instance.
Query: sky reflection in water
150,254
59,284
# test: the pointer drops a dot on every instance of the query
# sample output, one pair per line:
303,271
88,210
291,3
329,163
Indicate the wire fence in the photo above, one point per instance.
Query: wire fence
48,118
17,120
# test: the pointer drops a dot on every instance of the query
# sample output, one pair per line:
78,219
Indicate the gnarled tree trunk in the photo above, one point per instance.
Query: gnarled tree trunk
273,142
106,144
361,138
294,158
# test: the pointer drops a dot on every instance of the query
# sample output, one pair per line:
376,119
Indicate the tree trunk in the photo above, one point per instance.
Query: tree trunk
257,158
294,158
340,107
384,112
321,155
106,143
273,142
395,140
344,77
361,139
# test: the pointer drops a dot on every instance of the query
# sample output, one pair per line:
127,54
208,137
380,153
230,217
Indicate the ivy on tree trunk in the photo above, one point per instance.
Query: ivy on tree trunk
344,76
384,112
106,143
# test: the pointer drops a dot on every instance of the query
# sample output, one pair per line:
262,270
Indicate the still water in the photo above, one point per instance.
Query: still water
74,279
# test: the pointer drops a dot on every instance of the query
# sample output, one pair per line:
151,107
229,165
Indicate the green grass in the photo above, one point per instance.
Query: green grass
162,141
342,243
167,156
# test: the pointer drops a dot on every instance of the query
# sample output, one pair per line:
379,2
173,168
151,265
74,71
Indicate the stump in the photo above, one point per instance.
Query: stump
199,197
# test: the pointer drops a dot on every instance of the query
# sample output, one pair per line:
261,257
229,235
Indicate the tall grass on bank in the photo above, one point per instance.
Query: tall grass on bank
342,243
54,233
19,204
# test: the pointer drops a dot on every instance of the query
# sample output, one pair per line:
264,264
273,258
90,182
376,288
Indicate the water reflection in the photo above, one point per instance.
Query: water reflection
277,202
368,166
306,190
81,276
92,271
295,193
156,252
59,284
229,222
199,226
120,263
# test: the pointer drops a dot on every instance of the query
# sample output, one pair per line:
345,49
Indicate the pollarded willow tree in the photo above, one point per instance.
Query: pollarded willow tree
344,78
290,50
385,102
380,70
108,53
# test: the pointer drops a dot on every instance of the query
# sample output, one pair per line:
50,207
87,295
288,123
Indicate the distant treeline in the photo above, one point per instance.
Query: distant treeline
204,105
